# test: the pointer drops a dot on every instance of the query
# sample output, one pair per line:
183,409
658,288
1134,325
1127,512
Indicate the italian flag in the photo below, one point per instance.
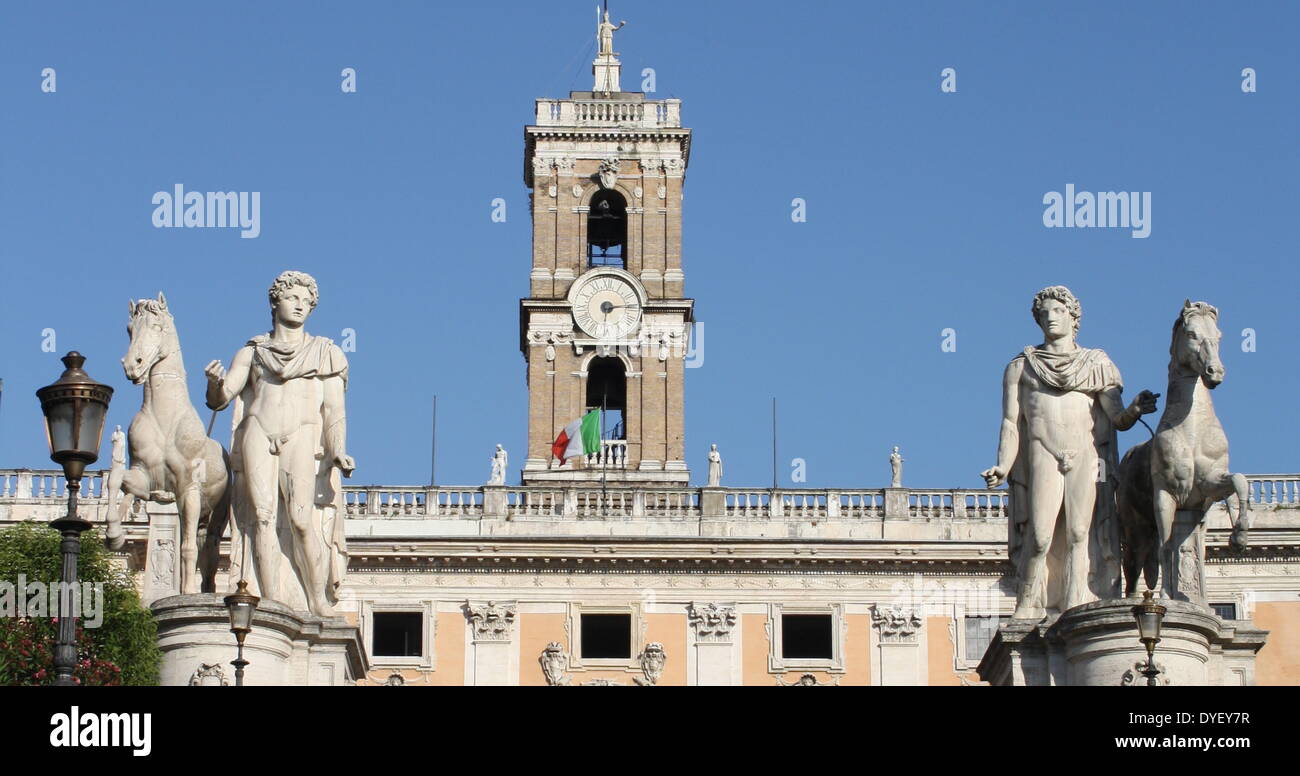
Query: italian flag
581,437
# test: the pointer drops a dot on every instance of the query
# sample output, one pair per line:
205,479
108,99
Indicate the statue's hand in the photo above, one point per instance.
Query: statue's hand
345,464
994,477
1145,402
215,372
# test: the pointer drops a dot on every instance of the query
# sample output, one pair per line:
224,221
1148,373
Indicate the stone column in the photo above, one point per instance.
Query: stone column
715,649
897,646
492,626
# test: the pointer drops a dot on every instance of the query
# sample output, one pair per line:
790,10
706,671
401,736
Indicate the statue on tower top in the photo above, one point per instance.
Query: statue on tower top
605,34
606,67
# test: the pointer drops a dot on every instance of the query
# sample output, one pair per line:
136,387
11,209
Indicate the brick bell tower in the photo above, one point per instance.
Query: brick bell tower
606,324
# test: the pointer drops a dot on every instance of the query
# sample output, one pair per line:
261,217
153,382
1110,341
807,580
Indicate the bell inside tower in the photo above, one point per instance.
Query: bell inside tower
607,230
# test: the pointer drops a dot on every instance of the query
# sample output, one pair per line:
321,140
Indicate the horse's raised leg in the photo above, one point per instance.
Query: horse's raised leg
1165,509
1241,520
134,483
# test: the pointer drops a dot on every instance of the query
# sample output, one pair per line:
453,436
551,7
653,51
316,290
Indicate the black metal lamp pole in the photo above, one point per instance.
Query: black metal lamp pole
74,407
1149,616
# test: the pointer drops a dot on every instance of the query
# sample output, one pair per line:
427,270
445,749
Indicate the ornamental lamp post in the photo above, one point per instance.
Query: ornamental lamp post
74,407
1149,616
241,604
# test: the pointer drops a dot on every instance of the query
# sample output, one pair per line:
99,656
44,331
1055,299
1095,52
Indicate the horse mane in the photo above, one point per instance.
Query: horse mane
1190,309
151,306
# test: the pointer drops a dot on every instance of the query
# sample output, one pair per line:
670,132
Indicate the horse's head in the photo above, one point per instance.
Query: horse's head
153,337
1195,346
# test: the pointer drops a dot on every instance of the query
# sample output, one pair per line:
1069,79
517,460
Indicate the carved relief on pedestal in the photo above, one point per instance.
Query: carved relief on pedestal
554,663
209,675
164,564
491,621
897,624
653,658
712,622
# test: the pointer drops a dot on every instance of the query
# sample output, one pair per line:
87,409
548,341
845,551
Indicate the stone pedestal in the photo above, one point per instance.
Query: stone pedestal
1187,576
495,504
284,647
1097,644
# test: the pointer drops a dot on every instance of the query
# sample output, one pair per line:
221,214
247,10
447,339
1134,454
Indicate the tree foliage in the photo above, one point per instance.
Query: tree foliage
123,650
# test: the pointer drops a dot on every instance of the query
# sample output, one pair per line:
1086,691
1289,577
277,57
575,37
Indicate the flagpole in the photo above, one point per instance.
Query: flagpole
773,443
433,445
604,465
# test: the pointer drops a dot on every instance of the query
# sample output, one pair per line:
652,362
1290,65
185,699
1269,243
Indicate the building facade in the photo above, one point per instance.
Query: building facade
610,569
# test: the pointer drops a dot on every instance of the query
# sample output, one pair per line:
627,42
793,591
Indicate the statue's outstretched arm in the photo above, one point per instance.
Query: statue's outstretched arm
225,385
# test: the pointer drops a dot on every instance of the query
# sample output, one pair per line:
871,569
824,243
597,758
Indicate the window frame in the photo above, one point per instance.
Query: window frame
573,628
426,660
778,663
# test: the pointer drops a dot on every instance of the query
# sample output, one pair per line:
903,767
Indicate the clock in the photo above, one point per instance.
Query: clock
606,304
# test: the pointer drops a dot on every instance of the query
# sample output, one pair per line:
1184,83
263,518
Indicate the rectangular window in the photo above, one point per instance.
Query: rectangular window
398,634
979,634
606,636
1225,611
806,636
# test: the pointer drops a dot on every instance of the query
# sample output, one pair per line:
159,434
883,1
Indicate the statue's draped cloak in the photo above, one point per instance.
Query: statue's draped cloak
318,358
1089,371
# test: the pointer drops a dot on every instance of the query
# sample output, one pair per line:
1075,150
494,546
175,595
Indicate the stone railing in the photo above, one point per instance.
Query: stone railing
651,114
47,487
611,455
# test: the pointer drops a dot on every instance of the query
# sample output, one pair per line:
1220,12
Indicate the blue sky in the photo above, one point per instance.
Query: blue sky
924,209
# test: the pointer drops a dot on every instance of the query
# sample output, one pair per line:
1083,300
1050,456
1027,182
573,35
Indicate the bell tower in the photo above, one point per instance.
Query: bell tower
606,324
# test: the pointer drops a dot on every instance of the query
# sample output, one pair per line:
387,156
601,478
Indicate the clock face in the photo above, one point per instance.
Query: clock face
606,306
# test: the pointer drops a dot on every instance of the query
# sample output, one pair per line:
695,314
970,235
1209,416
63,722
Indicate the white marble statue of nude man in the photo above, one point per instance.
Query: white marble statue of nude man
288,447
1061,406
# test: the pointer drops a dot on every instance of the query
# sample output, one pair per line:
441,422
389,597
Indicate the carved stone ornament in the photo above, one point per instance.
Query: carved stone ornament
674,167
712,623
653,658
542,166
662,193
896,623
807,680
607,176
577,191
564,165
637,192
395,680
552,190
554,663
209,675
601,683
491,621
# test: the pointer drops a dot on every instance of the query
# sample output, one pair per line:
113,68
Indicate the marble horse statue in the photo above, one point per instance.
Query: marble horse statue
1184,466
172,458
